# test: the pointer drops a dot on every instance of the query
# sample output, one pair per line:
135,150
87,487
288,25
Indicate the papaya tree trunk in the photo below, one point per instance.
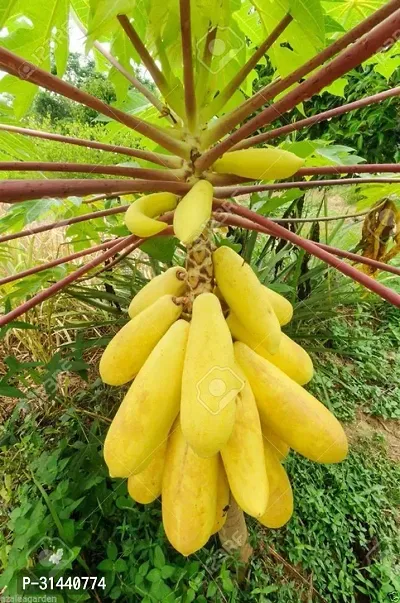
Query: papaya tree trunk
234,536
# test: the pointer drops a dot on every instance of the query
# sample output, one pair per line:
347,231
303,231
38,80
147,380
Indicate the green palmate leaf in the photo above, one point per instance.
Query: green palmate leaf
7,7
82,9
14,146
61,36
337,88
348,12
161,249
333,26
22,93
249,22
387,65
102,18
301,43
35,38
371,194
123,50
310,16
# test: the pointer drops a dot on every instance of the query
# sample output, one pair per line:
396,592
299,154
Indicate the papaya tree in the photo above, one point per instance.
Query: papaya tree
183,73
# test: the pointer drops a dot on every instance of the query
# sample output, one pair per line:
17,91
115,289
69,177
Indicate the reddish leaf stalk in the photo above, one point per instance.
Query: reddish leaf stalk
310,247
13,191
26,71
347,60
165,112
102,197
364,168
67,222
367,168
148,62
232,220
167,232
90,168
167,161
219,101
118,259
231,120
118,245
187,58
67,280
316,119
222,192
58,261
204,65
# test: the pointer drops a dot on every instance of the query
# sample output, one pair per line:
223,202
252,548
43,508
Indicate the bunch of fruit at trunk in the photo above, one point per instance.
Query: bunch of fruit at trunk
217,399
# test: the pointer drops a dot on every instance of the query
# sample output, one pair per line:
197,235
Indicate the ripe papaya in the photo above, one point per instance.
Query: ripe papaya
247,298
280,448
145,487
268,163
292,412
193,212
210,383
243,455
170,282
189,494
223,495
150,407
139,218
280,503
281,306
129,348
291,358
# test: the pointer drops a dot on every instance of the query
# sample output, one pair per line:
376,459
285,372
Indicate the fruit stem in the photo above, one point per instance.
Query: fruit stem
199,266
234,536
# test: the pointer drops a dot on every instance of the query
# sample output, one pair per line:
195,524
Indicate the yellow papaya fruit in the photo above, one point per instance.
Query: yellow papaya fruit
223,495
189,495
280,448
170,282
210,383
292,412
268,163
246,297
243,455
280,305
145,487
280,503
193,212
291,358
150,407
139,218
129,348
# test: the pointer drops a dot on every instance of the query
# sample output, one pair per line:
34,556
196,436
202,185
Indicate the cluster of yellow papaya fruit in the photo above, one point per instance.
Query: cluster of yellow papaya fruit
215,404
192,212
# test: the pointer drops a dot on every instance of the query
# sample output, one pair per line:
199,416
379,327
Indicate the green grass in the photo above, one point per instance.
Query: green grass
343,535
362,371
